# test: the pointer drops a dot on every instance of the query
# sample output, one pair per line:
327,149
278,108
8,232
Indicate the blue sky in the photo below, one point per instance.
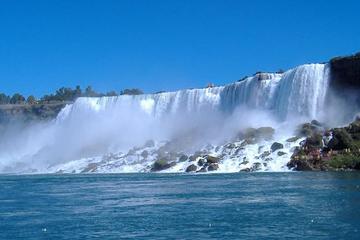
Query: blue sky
165,45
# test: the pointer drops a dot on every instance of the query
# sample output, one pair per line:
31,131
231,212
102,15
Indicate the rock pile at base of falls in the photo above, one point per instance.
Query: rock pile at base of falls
328,149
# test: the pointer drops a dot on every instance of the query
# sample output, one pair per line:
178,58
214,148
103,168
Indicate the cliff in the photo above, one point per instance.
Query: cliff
28,112
345,72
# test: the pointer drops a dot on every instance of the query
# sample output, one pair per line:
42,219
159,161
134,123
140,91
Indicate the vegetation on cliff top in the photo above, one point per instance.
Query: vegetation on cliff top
64,94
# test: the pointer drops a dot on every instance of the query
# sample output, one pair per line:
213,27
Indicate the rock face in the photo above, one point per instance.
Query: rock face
345,71
27,112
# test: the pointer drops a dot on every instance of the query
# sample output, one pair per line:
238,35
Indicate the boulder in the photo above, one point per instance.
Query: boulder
201,162
292,139
203,169
183,158
276,146
211,159
255,167
162,164
280,153
213,167
191,168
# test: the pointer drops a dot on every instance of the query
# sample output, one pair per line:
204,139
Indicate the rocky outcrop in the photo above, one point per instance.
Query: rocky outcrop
334,149
345,71
28,112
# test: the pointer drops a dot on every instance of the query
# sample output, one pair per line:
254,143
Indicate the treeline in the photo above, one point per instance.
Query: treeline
63,94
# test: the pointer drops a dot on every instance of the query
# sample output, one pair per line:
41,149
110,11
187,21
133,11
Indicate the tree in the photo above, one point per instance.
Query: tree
17,98
111,94
132,91
89,92
4,99
31,100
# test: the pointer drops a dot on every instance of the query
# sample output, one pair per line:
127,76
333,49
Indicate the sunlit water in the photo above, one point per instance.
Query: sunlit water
172,206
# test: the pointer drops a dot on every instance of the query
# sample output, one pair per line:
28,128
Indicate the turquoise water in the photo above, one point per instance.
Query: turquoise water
168,206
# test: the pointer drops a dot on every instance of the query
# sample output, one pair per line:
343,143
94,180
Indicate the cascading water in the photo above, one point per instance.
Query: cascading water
93,127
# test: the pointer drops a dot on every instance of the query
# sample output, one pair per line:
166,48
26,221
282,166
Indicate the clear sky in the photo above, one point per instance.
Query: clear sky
165,45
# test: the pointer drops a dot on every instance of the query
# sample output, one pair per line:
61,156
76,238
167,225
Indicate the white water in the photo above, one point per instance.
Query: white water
93,127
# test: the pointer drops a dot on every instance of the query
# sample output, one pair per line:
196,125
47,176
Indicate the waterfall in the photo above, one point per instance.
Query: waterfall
93,127
298,92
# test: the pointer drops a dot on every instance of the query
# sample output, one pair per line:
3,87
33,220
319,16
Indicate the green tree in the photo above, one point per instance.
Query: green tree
17,98
111,94
132,91
4,99
31,99
89,92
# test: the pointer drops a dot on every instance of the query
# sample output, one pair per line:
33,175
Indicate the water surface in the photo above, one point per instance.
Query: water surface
173,206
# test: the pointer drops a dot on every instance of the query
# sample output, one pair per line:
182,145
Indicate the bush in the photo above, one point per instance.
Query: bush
345,161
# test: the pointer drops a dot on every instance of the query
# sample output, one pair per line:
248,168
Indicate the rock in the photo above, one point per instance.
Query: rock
316,123
252,135
162,164
183,158
276,146
230,145
191,168
201,162
203,169
212,159
213,167
280,153
341,140
255,167
292,139
192,158
300,165
265,154
263,76
265,133
245,170
345,72
315,141
91,167
244,162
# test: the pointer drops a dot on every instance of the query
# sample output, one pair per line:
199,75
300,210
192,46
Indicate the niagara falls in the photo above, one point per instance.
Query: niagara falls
179,119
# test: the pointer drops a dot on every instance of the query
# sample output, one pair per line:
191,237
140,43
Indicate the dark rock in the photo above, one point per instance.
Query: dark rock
276,146
255,167
292,139
201,162
183,158
191,168
162,164
300,165
316,123
91,167
265,154
203,169
245,170
345,71
341,140
280,153
314,141
213,167
212,159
